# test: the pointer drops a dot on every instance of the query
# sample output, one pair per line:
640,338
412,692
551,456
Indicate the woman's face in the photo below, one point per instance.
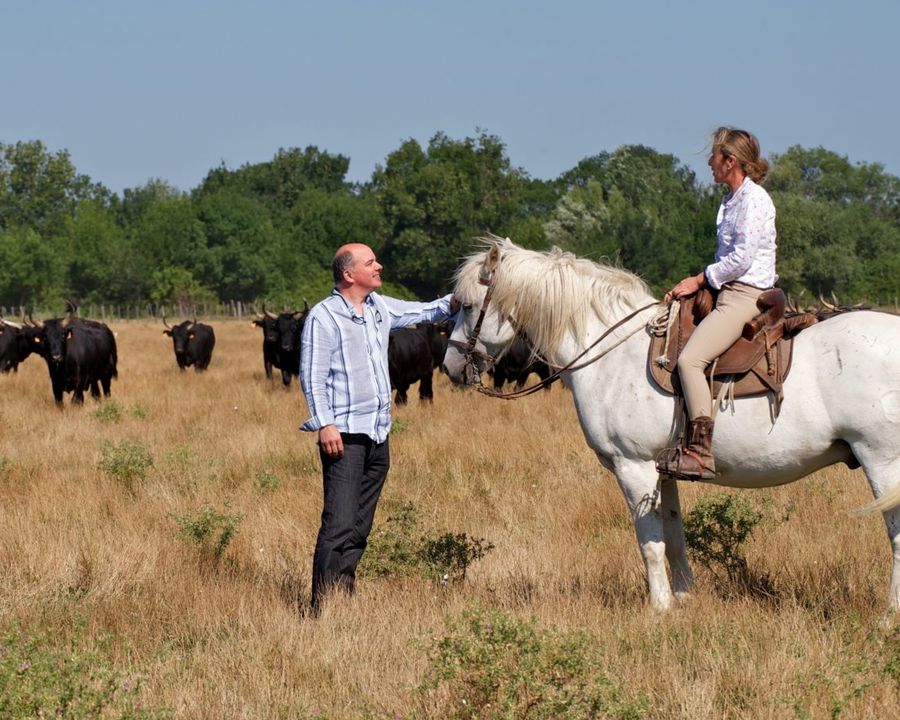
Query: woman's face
721,165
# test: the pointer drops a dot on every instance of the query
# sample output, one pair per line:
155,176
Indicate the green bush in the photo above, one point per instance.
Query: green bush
140,411
125,461
400,547
716,529
449,555
109,412
212,531
492,666
267,482
40,679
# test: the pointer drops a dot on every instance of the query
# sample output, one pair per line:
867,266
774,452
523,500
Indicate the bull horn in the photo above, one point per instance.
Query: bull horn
268,314
165,323
71,307
827,304
36,323
305,305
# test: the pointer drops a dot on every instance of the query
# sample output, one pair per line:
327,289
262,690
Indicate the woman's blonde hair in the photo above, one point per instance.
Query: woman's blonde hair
744,147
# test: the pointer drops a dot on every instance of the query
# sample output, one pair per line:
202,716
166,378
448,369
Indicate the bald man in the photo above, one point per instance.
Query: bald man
344,376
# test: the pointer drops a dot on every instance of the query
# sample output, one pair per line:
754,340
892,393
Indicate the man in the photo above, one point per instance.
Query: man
344,376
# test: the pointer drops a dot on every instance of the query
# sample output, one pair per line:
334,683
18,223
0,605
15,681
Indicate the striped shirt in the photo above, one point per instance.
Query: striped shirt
344,360
745,239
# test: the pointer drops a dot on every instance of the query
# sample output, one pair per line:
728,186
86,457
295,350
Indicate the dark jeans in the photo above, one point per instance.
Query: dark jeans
352,486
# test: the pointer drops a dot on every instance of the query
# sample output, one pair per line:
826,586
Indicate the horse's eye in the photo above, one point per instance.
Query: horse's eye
467,308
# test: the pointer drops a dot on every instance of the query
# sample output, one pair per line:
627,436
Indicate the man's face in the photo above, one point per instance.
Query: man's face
366,270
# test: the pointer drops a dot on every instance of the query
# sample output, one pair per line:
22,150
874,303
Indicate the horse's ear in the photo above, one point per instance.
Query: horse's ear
493,258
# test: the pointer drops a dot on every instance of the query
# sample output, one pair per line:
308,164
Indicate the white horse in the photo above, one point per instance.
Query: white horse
842,397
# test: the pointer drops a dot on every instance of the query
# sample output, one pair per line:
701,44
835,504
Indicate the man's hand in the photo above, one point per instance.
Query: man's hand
330,441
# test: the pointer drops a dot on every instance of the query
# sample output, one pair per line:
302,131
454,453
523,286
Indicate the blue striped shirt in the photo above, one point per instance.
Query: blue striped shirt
344,360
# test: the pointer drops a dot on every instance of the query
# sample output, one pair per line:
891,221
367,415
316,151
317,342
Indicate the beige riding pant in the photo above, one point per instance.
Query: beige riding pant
735,306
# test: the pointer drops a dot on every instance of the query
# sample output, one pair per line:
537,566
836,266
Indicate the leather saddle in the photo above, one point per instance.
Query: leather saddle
757,363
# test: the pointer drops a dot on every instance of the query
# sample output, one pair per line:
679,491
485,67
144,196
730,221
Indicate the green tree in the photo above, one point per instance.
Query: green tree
638,208
433,202
31,270
280,183
240,237
820,174
100,259
40,189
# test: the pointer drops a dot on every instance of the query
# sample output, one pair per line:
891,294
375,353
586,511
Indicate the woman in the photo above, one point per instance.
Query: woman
743,269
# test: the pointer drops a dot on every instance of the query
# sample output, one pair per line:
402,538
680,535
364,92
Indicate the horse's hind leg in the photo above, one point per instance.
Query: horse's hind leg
673,531
638,481
883,473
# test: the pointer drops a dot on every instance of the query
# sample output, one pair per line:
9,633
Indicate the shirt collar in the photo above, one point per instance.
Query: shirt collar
742,188
369,302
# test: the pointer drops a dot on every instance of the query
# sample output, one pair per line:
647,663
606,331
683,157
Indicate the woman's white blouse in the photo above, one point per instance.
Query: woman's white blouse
745,239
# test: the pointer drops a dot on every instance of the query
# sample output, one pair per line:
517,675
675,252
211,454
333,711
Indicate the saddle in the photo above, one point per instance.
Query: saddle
757,363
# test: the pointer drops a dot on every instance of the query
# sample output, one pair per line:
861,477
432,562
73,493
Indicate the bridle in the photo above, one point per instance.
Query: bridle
472,375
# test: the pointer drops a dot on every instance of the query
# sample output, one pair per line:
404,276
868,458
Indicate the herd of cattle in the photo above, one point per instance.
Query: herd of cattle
81,354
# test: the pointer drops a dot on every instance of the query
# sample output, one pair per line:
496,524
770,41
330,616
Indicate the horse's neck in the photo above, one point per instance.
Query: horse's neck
619,344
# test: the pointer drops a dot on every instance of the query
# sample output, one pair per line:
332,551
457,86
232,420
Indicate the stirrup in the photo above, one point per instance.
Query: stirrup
669,463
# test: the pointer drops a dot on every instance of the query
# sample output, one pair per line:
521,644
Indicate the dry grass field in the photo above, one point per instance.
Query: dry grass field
114,586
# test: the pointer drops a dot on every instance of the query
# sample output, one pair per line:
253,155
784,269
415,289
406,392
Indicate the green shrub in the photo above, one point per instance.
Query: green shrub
212,531
449,555
109,412
41,679
400,547
398,425
267,482
716,529
125,461
139,410
492,666
393,547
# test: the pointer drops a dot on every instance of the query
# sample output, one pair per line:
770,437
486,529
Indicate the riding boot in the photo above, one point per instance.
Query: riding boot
695,461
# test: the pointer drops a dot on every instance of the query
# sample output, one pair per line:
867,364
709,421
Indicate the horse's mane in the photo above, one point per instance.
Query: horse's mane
549,294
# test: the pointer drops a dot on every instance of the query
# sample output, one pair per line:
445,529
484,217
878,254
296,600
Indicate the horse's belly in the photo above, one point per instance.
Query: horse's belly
768,467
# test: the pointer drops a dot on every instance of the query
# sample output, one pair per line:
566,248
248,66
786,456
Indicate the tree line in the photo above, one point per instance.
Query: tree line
267,231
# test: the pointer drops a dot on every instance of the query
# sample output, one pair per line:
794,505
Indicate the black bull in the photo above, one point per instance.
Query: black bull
413,354
281,342
80,354
193,343
16,342
516,364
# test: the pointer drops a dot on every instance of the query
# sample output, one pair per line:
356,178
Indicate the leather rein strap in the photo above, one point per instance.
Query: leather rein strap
470,352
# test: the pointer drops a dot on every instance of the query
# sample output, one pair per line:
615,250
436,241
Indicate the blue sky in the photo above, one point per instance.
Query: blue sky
171,89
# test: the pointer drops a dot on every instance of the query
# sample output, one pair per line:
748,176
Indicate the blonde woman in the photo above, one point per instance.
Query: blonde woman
744,267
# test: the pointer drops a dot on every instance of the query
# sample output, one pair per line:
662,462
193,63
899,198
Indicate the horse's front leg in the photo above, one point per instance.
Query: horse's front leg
638,481
673,532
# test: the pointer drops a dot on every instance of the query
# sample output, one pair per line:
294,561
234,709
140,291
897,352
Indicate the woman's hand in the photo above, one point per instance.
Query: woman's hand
688,286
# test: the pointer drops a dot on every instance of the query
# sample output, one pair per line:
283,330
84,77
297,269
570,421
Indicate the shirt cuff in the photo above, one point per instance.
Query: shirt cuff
316,423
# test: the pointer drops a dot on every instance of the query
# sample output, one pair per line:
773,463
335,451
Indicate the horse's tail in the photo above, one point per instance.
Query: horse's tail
888,501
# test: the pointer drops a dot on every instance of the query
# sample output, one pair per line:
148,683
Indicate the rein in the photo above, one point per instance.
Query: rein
471,372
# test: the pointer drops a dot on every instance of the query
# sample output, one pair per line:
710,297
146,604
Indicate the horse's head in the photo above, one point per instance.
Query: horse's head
482,331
